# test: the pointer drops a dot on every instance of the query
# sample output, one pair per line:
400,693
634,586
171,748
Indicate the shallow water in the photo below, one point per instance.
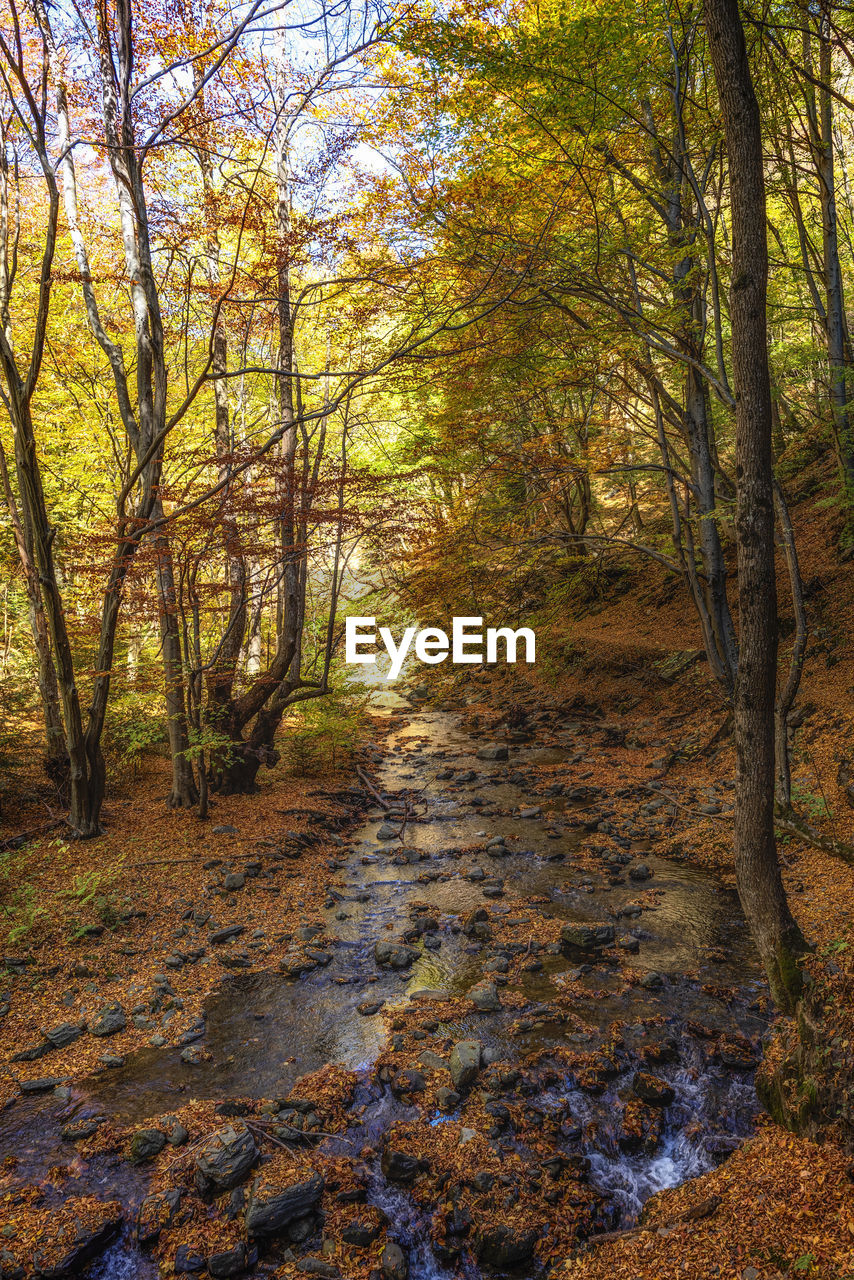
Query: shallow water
264,1031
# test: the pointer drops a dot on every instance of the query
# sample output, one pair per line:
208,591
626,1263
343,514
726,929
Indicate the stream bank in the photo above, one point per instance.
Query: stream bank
512,1025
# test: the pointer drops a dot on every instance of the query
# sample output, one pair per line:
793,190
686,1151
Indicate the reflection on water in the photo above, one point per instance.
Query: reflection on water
264,1031
257,1024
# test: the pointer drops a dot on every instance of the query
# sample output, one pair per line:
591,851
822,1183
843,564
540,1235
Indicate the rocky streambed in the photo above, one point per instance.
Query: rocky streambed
514,1024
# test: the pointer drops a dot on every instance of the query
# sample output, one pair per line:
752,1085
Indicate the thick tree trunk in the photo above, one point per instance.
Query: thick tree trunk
85,786
56,754
778,938
263,704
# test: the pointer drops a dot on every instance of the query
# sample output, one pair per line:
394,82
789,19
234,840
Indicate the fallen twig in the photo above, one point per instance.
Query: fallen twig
170,862
789,823
366,780
792,824
301,1133
23,836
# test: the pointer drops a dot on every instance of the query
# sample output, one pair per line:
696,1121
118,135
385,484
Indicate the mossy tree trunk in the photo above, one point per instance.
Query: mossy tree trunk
778,937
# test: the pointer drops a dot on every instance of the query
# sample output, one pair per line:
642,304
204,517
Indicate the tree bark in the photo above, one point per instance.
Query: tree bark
778,938
56,755
182,793
819,104
145,427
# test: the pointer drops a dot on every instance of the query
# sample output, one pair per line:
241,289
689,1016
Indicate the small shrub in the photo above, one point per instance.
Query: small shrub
135,727
324,734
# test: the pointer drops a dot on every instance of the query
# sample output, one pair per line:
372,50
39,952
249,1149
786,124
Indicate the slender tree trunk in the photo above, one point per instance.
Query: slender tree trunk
698,431
182,793
820,116
135,646
254,642
778,938
788,692
223,667
56,755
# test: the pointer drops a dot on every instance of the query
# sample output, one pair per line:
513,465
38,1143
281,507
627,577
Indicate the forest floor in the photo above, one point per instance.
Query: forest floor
115,948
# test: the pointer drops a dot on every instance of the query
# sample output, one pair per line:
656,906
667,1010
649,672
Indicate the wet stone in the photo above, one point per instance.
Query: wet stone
41,1085
231,1262
464,1063
653,1091
194,1055
485,997
394,955
503,1246
300,1230
393,1262
155,1213
432,1061
82,1130
188,1260
736,1053
317,1267
225,1159
493,752
146,1144
365,1227
399,1166
9,1267
193,1033
273,1207
408,1081
579,940
666,1050
89,1242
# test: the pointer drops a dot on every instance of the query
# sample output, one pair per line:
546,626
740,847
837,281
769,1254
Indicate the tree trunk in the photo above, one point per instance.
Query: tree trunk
182,793
56,755
85,787
820,115
698,433
223,668
778,938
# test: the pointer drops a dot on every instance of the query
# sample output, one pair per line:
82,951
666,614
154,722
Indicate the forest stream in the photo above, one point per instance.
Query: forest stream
264,1031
